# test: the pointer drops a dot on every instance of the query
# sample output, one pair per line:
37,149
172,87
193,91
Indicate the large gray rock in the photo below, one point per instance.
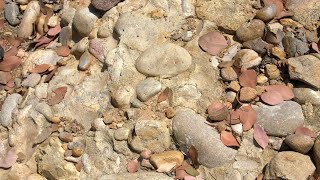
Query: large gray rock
306,95
229,14
289,165
189,129
306,69
84,21
280,120
165,60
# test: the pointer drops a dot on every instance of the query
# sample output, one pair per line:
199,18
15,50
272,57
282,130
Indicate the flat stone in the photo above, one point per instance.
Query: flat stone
123,96
306,95
247,94
11,13
251,30
151,135
11,102
289,165
148,88
229,14
280,120
272,71
228,74
189,129
247,58
299,142
137,175
294,47
32,80
167,157
84,21
122,134
104,5
306,69
165,60
85,61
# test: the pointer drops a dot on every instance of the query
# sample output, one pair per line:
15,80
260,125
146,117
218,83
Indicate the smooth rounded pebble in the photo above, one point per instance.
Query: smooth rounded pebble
11,12
148,88
299,142
84,21
251,30
30,16
8,106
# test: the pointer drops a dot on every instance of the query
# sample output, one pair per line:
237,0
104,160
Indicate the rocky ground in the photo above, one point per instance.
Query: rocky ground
160,89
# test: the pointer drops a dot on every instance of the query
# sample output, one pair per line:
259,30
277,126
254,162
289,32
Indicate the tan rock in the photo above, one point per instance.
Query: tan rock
278,52
247,94
261,79
234,86
166,158
272,71
247,58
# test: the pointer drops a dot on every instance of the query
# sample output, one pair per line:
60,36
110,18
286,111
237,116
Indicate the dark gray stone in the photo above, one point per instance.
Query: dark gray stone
104,5
11,13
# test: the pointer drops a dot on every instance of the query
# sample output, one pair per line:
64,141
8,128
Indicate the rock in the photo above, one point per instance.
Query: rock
272,71
148,88
121,147
103,31
11,13
32,80
123,96
306,95
66,137
280,120
258,45
165,60
30,16
306,69
267,13
41,91
245,164
98,124
289,165
316,154
261,79
53,21
294,47
137,175
231,96
251,30
45,110
9,105
234,12
234,86
152,135
189,129
84,21
104,5
228,74
167,157
170,112
67,15
305,12
278,52
35,177
96,48
65,36
85,61
299,142
237,129
77,149
247,94
122,134
247,58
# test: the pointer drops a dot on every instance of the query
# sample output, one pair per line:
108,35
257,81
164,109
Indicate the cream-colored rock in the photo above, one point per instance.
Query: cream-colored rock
30,16
247,58
166,158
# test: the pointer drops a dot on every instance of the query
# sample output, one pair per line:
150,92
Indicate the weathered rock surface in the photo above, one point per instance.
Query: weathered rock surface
10,104
104,5
84,21
306,95
299,142
11,12
138,175
189,129
148,88
280,120
30,16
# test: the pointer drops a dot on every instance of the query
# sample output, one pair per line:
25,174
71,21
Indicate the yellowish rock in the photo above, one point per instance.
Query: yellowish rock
53,21
234,86
278,52
291,23
261,79
272,71
167,160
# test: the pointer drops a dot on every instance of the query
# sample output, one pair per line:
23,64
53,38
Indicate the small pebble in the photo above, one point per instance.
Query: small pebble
77,149
66,137
32,80
85,61
11,13
146,154
261,79
67,153
247,94
299,142
247,58
147,89
98,124
237,129
234,86
55,119
267,13
251,30
71,159
136,103
228,74
278,52
272,71
53,21
231,96
121,134
65,36
170,112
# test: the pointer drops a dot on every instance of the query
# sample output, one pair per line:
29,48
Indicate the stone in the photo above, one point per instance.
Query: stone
170,112
306,95
53,21
65,36
306,69
278,52
152,135
137,175
9,105
258,45
122,147
84,21
251,30
234,86
247,94
98,124
228,14
104,5
32,80
122,134
289,165
41,90
67,15
280,120
231,96
291,23
272,71
247,58
165,60
148,88
167,157
96,48
85,61
189,128
66,137
30,16
123,96
267,13
228,74
261,79
294,47
11,13
299,142
237,129
45,110
103,31
77,149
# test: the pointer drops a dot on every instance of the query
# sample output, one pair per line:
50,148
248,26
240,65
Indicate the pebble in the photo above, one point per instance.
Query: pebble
148,88
53,21
267,13
123,96
167,157
306,95
98,124
189,128
234,86
165,60
316,153
151,135
278,52
55,119
251,30
170,112
258,45
11,13
289,165
247,58
272,71
83,21
66,137
136,103
67,15
280,120
261,79
306,69
294,47
231,96
85,61
77,149
299,142
45,110
122,134
32,80
104,5
96,48
247,94
30,16
237,129
41,90
291,23
11,102
228,74
103,31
